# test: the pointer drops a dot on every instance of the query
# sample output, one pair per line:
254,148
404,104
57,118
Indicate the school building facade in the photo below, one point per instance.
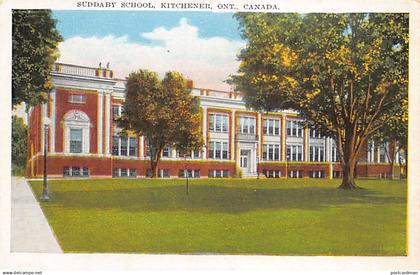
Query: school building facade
83,140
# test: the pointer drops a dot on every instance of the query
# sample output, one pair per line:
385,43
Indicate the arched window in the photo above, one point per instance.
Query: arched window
76,132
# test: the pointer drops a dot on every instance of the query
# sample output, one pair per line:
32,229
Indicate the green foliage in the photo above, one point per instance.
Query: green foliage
346,74
34,51
19,146
234,216
164,112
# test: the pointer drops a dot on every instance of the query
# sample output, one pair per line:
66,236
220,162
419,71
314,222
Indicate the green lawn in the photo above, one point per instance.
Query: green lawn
228,216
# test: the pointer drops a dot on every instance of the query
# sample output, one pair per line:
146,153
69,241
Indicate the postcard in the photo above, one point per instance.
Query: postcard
183,136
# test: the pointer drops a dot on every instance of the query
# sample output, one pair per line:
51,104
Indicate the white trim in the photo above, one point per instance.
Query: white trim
53,118
44,115
141,147
100,122
205,132
107,121
232,136
76,119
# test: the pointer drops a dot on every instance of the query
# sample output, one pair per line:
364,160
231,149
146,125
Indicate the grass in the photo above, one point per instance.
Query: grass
235,216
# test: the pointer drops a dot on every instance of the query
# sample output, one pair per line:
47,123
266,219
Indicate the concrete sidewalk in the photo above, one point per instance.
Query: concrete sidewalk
30,230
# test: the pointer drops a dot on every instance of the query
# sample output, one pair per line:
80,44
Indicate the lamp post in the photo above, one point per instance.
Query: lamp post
45,192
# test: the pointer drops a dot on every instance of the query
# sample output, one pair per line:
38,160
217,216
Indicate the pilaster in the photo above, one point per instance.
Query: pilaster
305,144
232,136
107,121
283,137
205,130
53,120
100,122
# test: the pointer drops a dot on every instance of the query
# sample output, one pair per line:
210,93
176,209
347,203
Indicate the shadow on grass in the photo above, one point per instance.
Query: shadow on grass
214,199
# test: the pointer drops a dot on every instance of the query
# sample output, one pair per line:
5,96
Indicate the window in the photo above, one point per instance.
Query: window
295,174
77,98
247,125
272,173
218,123
294,153
196,154
67,172
115,172
76,132
382,153
76,140
294,129
116,111
76,171
133,146
85,172
218,174
190,173
148,173
335,155
124,146
271,152
166,153
132,173
337,174
317,174
218,150
316,153
272,127
124,172
115,146
163,173
314,133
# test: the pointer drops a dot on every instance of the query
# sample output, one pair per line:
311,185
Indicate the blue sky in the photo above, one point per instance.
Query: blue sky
102,23
201,45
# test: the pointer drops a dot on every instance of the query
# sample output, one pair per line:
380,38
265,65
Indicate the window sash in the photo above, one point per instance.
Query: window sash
272,127
76,140
271,152
166,153
77,98
218,123
125,146
294,152
218,150
133,146
294,129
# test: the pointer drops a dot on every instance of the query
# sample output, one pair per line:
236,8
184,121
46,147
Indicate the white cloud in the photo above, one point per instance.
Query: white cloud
207,61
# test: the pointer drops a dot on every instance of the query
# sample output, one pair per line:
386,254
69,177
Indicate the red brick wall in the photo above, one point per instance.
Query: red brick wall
104,166
90,107
56,164
290,166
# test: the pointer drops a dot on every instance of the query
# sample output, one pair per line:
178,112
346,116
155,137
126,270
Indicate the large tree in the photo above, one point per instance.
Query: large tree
164,112
393,135
344,73
34,51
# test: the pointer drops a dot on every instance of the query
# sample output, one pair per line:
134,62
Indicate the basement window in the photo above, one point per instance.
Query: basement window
75,171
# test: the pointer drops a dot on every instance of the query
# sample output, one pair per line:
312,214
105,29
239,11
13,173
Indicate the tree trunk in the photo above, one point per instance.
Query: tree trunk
392,154
348,176
349,163
153,168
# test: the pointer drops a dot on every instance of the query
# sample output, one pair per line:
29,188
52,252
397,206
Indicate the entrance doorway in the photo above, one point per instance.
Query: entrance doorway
244,160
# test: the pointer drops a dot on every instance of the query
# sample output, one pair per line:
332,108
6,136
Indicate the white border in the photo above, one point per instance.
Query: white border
248,264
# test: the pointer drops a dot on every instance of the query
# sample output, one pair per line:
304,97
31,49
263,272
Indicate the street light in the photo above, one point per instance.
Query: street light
45,192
